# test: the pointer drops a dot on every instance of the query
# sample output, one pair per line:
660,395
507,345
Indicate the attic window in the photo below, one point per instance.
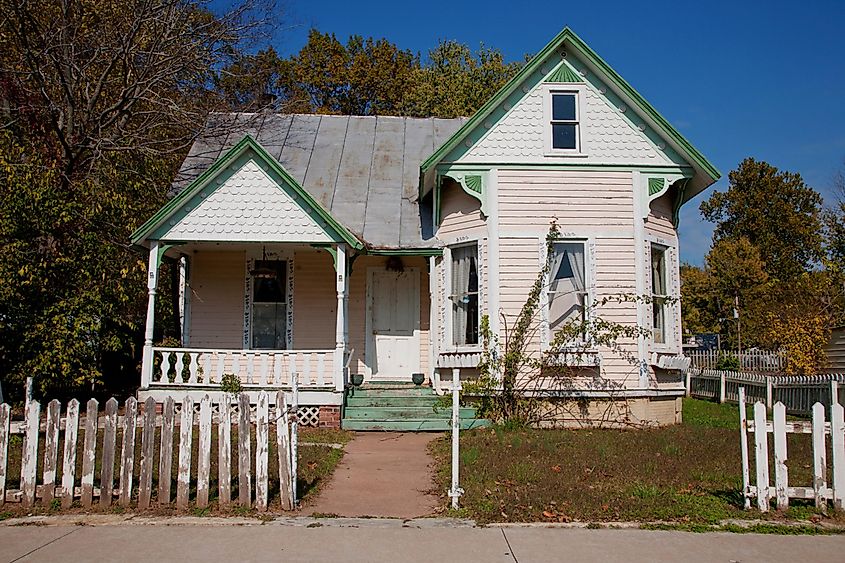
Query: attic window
564,121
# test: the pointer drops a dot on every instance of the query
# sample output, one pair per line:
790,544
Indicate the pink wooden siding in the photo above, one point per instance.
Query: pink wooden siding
460,213
314,301
531,198
659,221
217,299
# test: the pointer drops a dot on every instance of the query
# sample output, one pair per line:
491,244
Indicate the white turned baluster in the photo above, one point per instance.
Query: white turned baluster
236,366
193,359
250,367
165,367
321,369
180,366
306,370
206,368
264,369
221,366
277,369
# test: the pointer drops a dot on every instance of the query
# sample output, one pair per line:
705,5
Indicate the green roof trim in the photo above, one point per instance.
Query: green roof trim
568,36
220,166
564,74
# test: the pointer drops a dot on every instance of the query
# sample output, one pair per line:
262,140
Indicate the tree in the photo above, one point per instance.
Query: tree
697,306
776,211
98,103
454,82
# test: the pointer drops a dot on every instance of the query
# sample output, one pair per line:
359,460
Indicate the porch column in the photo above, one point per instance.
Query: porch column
341,331
152,284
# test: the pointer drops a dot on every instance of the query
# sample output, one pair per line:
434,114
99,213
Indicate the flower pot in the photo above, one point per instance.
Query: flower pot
418,378
357,379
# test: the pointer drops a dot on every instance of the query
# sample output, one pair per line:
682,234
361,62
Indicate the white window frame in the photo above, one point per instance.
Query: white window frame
251,257
548,92
448,343
671,311
589,284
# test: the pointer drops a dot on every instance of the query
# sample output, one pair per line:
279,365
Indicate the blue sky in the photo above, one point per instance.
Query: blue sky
738,79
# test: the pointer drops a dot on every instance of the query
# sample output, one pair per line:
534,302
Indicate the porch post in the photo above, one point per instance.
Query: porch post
341,332
152,284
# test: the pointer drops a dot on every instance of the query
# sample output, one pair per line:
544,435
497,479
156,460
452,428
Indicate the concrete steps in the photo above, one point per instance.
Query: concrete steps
399,406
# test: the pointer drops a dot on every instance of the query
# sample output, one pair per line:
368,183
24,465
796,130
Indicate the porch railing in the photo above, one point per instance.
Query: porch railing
205,368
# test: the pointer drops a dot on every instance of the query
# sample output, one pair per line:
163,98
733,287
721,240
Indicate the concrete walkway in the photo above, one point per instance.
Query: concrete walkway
382,474
377,542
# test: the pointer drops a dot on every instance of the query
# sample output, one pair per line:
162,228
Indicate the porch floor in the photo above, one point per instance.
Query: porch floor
402,407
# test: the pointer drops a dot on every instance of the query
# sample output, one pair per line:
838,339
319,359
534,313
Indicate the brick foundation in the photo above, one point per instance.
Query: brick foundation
329,417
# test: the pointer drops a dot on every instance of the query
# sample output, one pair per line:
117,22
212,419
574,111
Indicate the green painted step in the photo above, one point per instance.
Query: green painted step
402,413
391,392
391,401
427,425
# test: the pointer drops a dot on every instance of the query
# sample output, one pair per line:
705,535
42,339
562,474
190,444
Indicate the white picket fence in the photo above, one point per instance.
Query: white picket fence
779,427
750,360
797,392
182,419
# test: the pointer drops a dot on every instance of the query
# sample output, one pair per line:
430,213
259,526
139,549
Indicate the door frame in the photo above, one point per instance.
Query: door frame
369,349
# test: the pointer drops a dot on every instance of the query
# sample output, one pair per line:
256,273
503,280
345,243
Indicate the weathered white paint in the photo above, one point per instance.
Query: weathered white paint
283,451
183,472
145,480
743,446
393,324
127,451
819,455
837,443
262,436
244,446
224,452
341,323
51,449
69,460
165,465
89,452
109,444
248,206
781,471
204,452
29,456
761,456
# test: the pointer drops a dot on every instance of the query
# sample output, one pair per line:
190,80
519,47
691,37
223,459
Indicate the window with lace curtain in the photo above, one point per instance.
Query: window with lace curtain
464,295
567,291
659,293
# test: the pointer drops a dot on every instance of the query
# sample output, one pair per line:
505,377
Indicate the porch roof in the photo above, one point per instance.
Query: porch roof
364,170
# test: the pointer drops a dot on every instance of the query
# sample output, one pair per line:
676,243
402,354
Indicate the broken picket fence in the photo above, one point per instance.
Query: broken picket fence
107,477
782,491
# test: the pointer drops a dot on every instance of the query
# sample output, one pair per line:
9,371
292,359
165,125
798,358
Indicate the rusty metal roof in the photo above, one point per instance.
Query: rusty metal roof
364,170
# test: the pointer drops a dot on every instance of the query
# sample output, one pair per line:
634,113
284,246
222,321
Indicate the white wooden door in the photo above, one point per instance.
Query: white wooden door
393,324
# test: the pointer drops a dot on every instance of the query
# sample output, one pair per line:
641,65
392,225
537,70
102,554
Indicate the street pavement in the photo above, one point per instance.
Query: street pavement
309,540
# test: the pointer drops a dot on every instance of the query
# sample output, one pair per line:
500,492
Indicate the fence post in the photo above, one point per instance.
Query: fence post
837,439
819,457
27,394
761,456
688,383
834,392
781,471
769,393
743,442
455,491
721,386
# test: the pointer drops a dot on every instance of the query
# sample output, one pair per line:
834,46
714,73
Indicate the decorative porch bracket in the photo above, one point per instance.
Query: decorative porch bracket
471,182
657,185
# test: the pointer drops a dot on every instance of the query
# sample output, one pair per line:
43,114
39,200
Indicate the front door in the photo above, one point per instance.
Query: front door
393,324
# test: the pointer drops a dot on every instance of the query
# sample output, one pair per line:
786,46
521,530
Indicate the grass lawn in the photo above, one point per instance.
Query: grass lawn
688,473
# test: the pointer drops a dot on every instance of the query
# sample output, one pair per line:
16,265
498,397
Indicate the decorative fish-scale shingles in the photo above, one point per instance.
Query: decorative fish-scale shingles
321,177
248,206
607,137
349,204
384,197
